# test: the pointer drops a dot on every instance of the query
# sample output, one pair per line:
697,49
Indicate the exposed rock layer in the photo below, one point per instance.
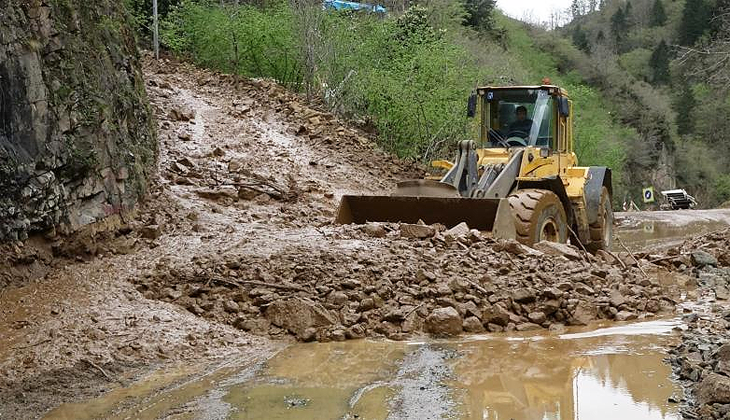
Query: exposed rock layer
76,133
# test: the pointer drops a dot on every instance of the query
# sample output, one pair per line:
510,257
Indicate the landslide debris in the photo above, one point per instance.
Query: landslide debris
354,285
702,361
259,173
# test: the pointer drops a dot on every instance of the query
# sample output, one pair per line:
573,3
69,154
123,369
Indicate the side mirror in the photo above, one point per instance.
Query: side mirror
471,107
563,106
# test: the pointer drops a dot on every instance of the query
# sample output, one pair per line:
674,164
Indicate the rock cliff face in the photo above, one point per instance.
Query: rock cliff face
77,139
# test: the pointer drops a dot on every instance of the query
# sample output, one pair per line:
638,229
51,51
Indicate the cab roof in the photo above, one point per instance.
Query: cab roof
553,89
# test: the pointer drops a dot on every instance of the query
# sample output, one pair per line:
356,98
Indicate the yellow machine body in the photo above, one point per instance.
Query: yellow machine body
494,174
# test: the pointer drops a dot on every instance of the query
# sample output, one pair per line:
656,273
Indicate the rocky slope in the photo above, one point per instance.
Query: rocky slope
77,139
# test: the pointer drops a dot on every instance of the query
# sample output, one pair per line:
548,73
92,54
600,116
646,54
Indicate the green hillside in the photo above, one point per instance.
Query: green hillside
407,74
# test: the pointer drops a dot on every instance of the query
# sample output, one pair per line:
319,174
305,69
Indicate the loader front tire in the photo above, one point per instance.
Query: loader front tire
601,230
539,216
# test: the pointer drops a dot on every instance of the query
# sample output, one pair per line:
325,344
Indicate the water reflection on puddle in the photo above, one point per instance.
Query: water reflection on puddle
607,373
599,377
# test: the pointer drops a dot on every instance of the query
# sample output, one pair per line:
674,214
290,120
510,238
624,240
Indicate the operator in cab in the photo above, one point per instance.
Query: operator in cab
520,127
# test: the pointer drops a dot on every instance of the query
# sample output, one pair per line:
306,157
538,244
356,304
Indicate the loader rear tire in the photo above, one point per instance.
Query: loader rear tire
601,230
539,216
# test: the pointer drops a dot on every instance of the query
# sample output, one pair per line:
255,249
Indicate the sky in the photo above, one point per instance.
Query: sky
539,9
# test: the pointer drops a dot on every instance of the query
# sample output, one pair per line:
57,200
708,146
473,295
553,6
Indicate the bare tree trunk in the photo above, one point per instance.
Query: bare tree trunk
155,30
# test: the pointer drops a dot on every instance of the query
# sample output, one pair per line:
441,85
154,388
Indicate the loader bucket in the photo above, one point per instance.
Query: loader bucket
492,215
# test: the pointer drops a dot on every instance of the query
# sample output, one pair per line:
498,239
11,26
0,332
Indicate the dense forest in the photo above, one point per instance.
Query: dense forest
649,77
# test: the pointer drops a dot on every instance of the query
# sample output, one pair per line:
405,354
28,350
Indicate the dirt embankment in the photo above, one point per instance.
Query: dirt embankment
702,360
237,237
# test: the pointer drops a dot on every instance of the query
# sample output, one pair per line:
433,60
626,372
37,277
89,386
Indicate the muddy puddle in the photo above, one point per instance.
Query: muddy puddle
663,229
598,373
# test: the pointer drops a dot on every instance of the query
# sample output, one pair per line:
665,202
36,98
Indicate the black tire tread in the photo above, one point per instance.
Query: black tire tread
523,204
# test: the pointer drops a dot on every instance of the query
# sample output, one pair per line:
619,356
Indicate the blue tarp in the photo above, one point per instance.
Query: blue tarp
351,5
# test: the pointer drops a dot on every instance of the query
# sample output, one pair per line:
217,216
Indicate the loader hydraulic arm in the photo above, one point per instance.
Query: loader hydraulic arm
496,180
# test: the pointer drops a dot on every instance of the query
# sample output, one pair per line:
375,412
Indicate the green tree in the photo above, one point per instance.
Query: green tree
659,63
695,19
684,105
479,14
658,14
141,11
580,39
629,14
619,28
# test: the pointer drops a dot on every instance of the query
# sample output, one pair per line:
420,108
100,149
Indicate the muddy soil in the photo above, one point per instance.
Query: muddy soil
236,245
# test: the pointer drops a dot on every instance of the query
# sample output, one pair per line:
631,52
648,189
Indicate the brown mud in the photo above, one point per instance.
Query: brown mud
235,245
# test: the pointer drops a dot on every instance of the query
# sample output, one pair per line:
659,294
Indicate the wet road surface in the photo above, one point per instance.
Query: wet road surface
664,229
600,373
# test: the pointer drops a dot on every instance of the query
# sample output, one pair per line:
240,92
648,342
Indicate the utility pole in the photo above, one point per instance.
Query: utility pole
155,30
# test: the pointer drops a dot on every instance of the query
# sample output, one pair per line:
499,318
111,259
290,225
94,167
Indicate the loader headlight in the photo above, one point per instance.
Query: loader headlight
544,152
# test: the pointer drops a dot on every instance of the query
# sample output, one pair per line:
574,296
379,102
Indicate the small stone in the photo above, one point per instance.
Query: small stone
537,317
565,286
584,289
462,229
625,316
552,293
337,298
231,306
374,230
416,231
356,331
496,315
527,326
308,335
151,232
524,295
394,315
366,305
338,335
558,249
473,325
235,165
616,298
557,328
702,259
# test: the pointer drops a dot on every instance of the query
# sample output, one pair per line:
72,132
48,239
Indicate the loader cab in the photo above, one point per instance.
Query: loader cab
547,123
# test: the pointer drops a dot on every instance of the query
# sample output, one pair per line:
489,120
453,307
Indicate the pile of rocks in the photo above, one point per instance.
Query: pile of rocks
394,285
702,361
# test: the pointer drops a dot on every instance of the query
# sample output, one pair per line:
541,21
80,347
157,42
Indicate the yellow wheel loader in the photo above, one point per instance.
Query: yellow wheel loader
519,179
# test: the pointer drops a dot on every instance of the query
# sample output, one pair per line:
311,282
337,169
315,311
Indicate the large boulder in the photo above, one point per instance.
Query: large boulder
714,388
298,315
444,321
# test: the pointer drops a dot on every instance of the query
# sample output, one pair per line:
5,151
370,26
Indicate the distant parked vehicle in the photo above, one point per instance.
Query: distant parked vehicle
351,5
677,199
